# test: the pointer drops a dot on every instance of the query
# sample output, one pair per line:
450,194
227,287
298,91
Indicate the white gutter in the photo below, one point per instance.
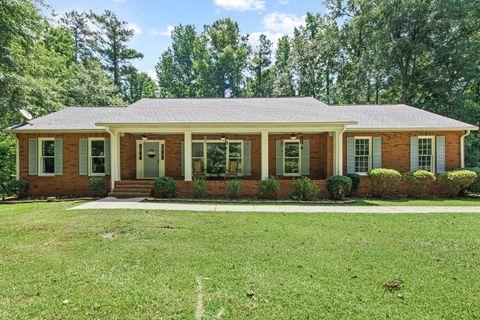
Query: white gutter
462,148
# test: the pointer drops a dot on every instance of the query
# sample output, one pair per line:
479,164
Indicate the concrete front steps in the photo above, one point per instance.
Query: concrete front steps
132,189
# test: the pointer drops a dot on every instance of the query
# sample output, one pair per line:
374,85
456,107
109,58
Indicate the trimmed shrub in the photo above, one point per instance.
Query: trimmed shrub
234,187
20,188
418,182
457,182
475,187
199,187
339,186
355,177
383,181
98,186
269,188
304,189
165,187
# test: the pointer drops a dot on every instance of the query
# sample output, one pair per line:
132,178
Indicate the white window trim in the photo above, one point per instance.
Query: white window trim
434,152
370,155
227,154
90,158
40,162
299,158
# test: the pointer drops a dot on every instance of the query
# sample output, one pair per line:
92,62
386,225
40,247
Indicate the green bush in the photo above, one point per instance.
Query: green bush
19,188
199,187
269,188
355,177
234,187
98,186
339,186
457,182
418,182
383,181
304,189
165,187
475,187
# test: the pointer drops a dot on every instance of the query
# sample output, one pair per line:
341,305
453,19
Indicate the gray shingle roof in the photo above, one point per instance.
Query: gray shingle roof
397,116
246,110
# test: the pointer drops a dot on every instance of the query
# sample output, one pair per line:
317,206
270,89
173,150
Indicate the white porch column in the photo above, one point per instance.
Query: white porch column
117,156
264,149
340,152
335,152
187,155
113,156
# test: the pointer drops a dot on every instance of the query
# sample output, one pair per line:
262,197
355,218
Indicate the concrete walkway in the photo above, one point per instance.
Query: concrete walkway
135,203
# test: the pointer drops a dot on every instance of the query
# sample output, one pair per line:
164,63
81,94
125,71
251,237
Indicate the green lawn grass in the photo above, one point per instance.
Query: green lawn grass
468,201
139,264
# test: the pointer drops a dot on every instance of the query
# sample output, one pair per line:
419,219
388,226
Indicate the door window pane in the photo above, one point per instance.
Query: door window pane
216,159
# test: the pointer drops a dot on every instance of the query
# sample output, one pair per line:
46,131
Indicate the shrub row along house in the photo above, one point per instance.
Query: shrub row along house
246,138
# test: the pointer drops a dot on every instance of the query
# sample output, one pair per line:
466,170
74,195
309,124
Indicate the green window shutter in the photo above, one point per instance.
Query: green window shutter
376,152
108,156
413,153
182,157
58,156
32,157
350,154
306,158
279,157
247,158
83,156
440,148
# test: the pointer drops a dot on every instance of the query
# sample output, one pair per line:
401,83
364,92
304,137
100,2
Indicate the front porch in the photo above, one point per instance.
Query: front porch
142,154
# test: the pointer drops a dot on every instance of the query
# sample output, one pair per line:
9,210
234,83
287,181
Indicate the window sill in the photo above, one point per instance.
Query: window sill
46,174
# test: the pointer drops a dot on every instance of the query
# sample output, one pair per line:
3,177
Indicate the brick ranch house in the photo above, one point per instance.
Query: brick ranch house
183,138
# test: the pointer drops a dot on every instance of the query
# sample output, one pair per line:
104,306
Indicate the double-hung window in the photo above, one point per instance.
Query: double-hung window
292,158
426,153
363,154
96,156
235,154
213,156
46,156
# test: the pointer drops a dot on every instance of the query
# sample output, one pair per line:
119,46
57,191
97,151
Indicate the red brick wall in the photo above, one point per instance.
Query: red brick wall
321,163
71,183
395,154
396,148
128,164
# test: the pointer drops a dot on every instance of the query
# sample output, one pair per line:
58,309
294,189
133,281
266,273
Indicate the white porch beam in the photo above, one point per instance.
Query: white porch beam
335,152
113,156
187,155
264,148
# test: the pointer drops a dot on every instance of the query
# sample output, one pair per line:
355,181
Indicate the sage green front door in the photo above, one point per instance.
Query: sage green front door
150,159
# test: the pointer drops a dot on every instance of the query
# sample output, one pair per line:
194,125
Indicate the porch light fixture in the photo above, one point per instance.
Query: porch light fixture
223,137
293,136
144,137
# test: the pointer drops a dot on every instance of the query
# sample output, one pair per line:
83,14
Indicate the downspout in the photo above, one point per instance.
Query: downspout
462,148
112,160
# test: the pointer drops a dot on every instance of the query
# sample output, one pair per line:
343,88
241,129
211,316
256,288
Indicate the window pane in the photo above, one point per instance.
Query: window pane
425,154
235,149
98,165
197,149
362,155
48,165
98,148
292,149
48,148
216,158
291,166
